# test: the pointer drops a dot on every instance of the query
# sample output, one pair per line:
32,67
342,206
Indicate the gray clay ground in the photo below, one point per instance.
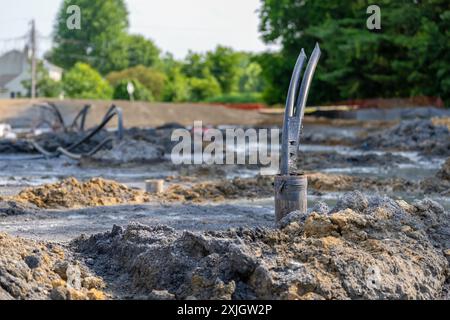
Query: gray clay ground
336,159
358,233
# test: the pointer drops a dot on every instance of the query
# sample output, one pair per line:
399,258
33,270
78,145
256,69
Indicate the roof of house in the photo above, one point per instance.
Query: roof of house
13,62
6,78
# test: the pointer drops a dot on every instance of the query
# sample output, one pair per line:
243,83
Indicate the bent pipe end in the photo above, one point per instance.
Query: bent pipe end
295,80
306,82
289,108
298,112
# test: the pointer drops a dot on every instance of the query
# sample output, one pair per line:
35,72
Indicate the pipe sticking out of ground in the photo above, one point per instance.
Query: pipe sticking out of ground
290,185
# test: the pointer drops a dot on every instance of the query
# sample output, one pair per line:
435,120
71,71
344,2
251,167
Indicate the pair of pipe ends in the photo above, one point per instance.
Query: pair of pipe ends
290,184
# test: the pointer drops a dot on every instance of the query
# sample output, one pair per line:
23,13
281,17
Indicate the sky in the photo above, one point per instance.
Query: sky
175,25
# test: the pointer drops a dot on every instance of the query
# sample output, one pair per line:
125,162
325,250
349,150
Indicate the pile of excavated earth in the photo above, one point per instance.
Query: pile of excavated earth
262,187
38,270
430,137
71,193
363,248
366,247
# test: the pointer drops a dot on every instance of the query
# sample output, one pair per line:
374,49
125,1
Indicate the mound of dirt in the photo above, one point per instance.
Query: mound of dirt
262,186
14,208
37,270
321,182
442,121
426,136
258,187
364,248
71,193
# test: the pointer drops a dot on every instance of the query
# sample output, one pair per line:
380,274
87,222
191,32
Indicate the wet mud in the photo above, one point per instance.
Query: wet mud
377,227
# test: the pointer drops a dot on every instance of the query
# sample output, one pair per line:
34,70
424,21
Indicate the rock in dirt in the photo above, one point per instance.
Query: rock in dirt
383,249
28,271
71,193
429,137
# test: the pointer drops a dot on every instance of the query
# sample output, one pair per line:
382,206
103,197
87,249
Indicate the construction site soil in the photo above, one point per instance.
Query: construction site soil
377,227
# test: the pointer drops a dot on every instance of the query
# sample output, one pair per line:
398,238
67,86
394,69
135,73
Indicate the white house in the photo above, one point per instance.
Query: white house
15,68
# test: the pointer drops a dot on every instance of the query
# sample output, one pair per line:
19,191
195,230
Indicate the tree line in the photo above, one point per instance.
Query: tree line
101,59
409,56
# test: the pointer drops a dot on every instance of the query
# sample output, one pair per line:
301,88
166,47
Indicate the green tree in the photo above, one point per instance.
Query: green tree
233,71
140,92
141,51
408,56
84,82
251,79
101,40
176,87
150,78
223,63
203,89
275,68
194,65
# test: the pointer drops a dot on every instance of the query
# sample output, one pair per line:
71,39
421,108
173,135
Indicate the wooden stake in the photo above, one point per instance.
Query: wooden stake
154,186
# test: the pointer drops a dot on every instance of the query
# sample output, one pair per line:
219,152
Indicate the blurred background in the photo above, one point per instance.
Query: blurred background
226,51
99,92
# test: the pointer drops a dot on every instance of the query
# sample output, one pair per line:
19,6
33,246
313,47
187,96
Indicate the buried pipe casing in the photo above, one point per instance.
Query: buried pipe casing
290,194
